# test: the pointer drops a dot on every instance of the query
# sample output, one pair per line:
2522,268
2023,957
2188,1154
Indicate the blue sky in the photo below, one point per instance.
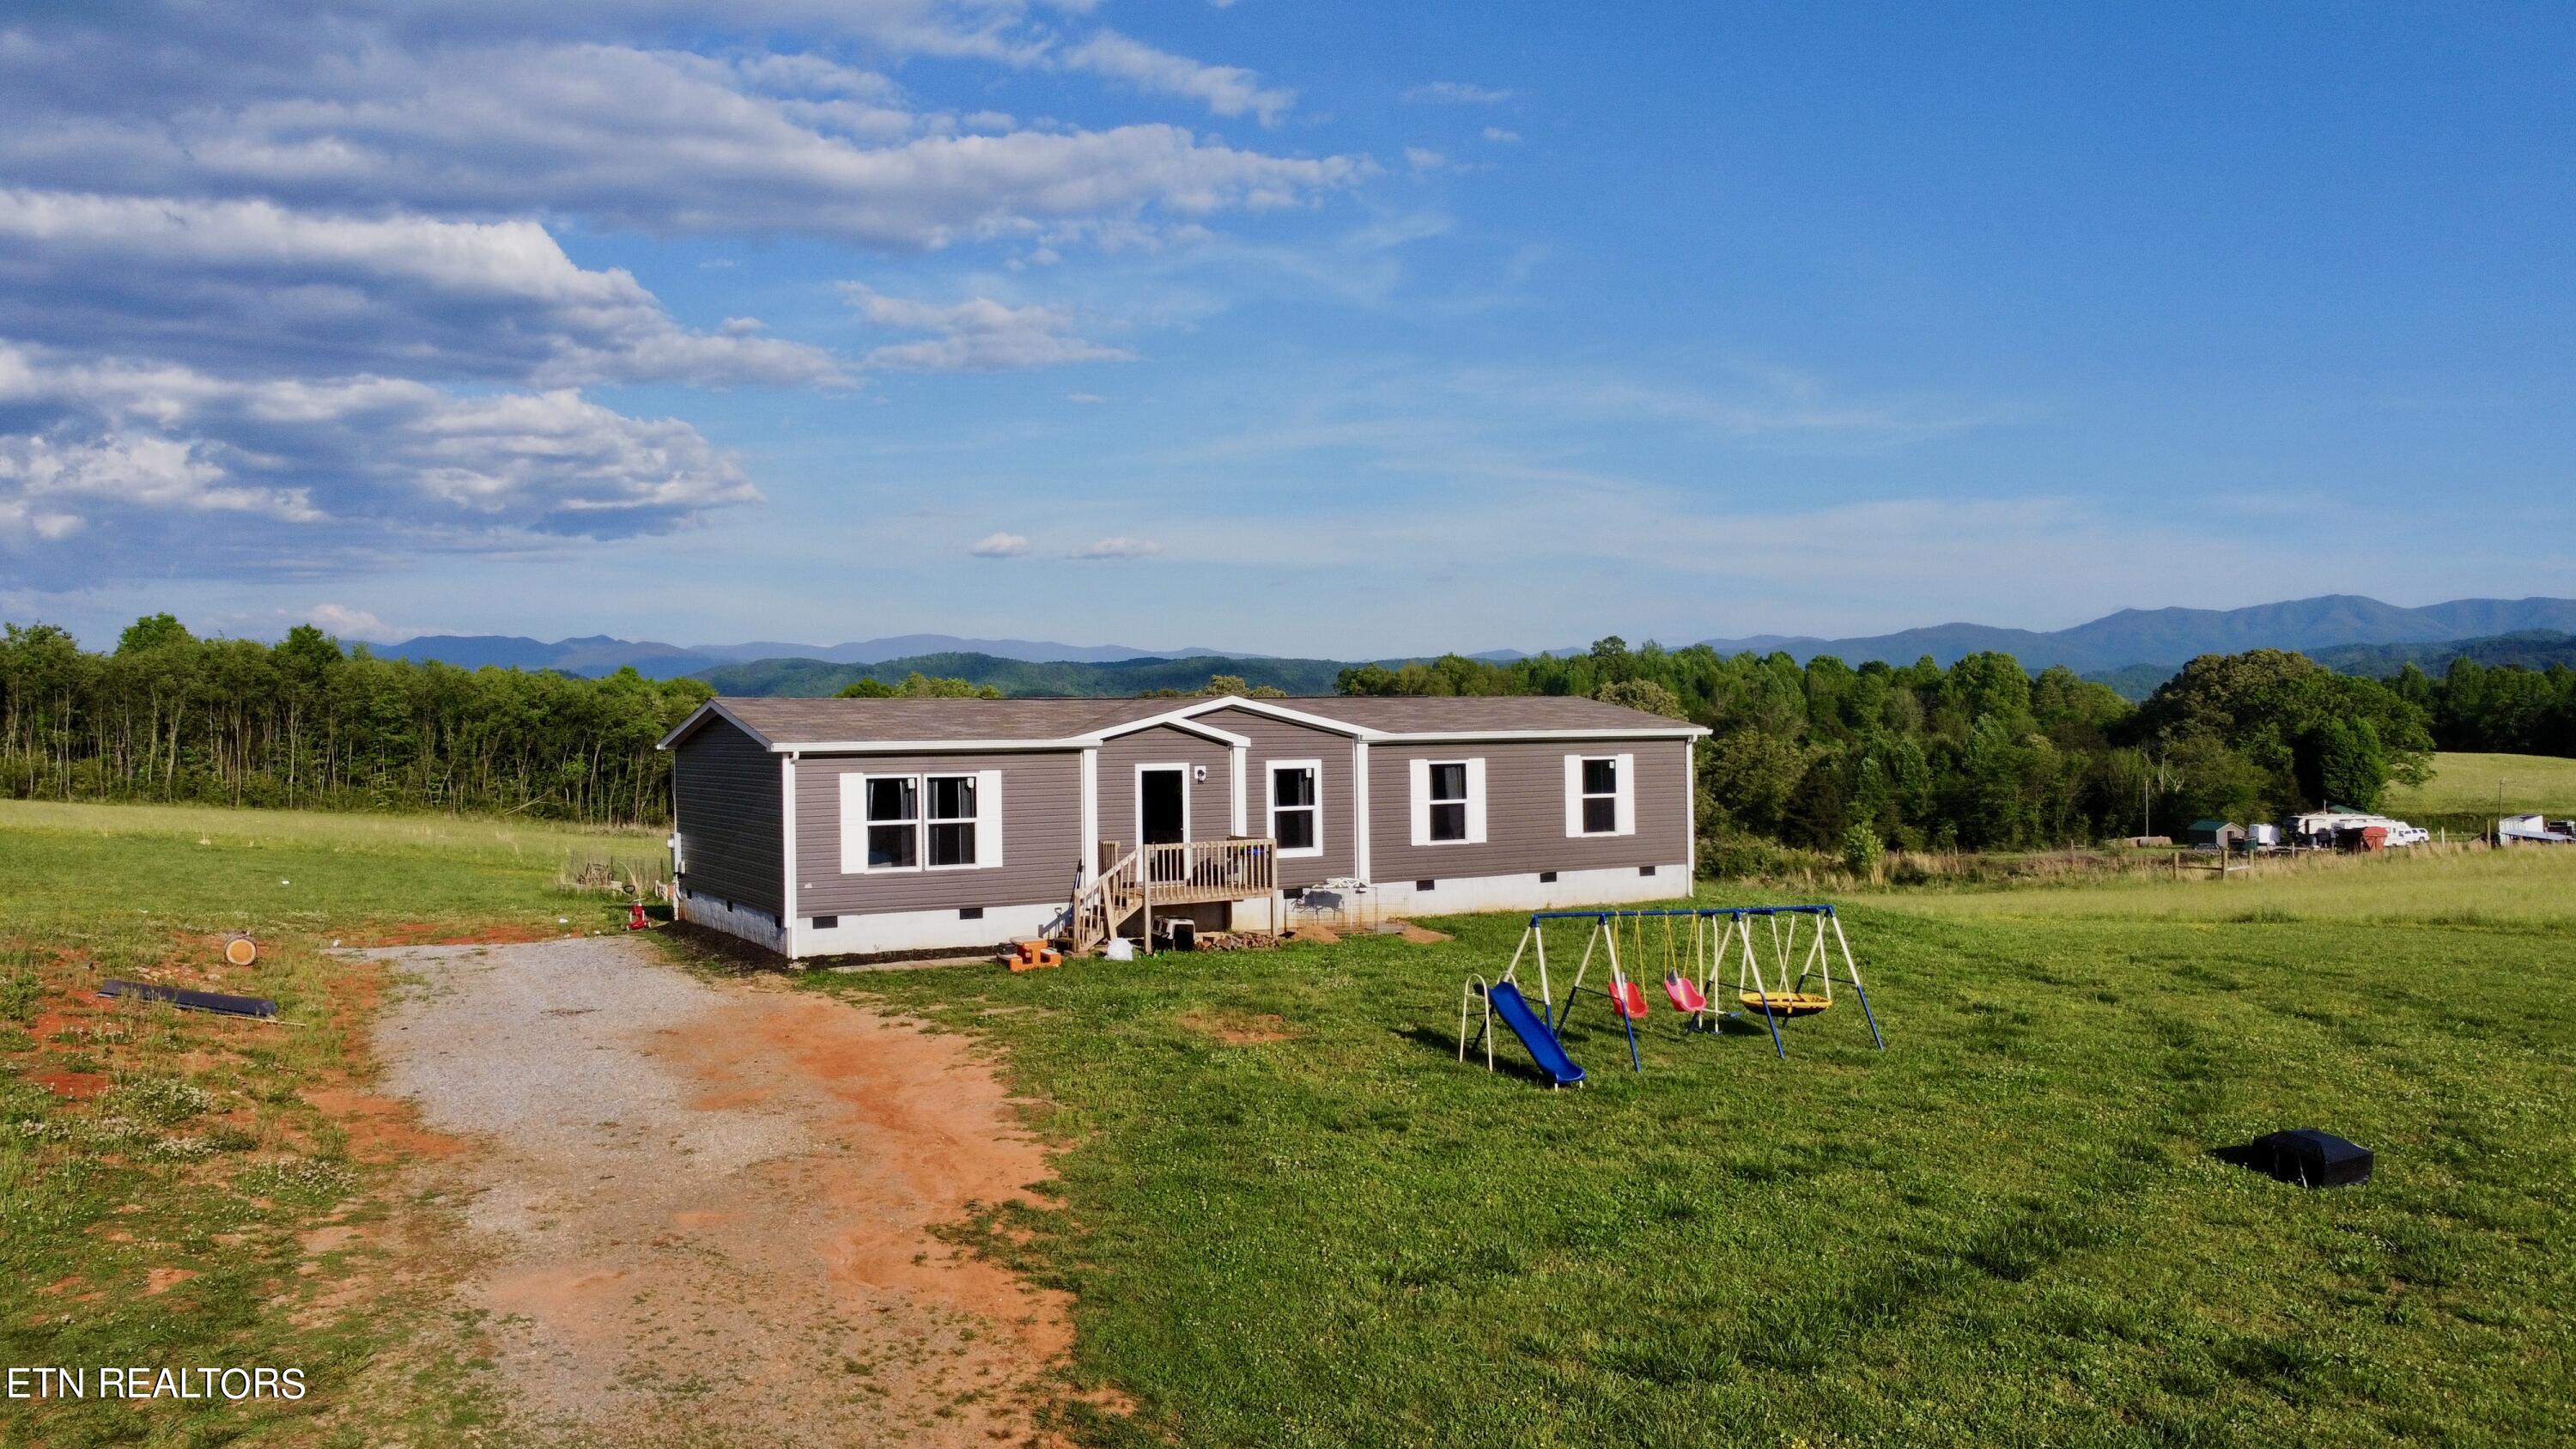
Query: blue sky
1303,328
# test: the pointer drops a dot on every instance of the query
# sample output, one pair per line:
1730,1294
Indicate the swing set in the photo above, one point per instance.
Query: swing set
1695,960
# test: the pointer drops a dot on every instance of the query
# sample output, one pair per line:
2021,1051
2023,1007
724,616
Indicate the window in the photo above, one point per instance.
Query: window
952,820
827,923
921,822
1600,797
1601,794
1297,806
1448,802
894,813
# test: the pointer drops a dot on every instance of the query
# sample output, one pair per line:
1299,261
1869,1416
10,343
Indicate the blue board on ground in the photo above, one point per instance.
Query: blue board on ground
1541,1042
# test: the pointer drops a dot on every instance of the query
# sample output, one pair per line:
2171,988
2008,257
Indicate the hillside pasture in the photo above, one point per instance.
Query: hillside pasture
2485,786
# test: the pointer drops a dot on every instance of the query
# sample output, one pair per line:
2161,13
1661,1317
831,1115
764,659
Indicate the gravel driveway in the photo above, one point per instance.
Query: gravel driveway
701,1213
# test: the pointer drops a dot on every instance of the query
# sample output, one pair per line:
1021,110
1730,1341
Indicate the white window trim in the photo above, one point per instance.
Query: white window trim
987,819
1421,781
1270,797
854,822
1179,767
1624,796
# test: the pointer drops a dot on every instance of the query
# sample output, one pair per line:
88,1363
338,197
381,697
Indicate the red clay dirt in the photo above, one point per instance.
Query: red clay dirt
715,1213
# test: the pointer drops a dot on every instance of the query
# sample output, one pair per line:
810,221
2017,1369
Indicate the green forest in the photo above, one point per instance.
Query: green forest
1981,755
304,722
1820,755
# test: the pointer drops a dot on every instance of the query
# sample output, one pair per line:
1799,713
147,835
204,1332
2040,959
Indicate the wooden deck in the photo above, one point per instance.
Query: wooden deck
1186,873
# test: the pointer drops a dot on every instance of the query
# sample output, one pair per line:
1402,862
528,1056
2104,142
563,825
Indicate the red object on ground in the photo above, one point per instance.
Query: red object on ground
635,917
1685,995
1629,998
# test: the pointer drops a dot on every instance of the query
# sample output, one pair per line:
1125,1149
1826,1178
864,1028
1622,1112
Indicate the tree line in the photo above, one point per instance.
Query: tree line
1824,755
167,716
1984,755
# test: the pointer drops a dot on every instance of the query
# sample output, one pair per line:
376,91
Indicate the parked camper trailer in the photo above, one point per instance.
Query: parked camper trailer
2343,830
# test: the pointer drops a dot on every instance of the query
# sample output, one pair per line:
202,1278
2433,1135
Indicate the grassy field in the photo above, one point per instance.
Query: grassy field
173,1191
2467,785
2427,886
2006,1229
1291,1216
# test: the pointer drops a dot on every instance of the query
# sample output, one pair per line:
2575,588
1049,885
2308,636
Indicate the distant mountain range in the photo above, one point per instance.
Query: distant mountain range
2151,636
1110,678
2132,650
601,654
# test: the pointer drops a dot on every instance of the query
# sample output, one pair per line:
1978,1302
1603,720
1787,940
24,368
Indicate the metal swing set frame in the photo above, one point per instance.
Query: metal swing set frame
1796,935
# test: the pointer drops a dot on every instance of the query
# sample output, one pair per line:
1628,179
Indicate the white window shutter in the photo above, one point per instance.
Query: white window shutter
854,822
1421,801
988,817
1476,801
1627,794
1573,795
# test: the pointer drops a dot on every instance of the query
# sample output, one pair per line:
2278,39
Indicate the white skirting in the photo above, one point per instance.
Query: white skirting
940,930
1460,895
758,927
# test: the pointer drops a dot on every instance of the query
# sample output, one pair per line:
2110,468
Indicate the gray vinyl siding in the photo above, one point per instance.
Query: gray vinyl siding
1525,811
1211,799
1041,836
725,809
1278,739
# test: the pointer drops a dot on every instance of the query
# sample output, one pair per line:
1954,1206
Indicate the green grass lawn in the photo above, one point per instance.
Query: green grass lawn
2467,785
170,1192
2005,1229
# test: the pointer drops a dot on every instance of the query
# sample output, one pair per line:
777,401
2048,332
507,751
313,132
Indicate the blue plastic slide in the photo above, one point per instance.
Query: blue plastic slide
1541,1042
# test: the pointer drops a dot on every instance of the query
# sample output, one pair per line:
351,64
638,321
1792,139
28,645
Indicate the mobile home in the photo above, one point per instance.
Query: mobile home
827,827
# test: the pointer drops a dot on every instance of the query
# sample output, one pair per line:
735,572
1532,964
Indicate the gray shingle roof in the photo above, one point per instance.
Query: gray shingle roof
809,721
831,721
1425,714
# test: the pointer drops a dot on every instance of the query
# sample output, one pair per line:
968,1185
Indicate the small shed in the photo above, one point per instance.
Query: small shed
2215,834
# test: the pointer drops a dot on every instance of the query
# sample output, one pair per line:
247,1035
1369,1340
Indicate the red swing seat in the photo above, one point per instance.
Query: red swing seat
1629,999
1684,993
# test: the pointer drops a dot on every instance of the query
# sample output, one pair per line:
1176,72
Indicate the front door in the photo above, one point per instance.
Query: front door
1162,815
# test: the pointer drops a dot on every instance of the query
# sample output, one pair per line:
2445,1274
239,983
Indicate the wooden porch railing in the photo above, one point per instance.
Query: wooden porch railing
1189,872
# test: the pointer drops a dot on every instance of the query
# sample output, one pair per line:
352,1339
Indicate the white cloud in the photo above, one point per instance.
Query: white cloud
342,622
1457,93
1501,137
1084,397
137,471
21,522
1227,90
1000,545
1117,547
976,335
1422,158
399,293
158,463
643,139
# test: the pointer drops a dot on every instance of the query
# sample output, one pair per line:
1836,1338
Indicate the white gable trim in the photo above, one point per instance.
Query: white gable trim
713,708
1182,720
